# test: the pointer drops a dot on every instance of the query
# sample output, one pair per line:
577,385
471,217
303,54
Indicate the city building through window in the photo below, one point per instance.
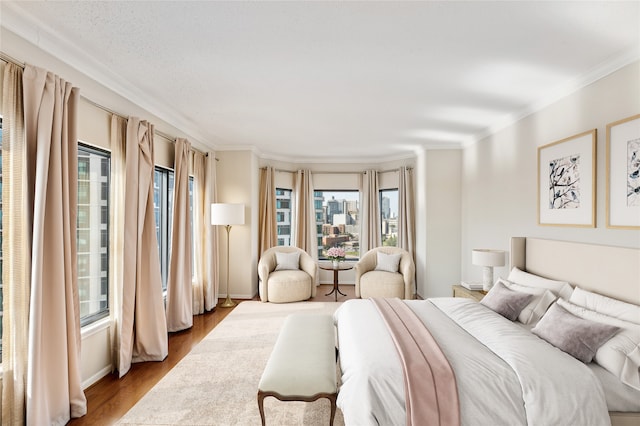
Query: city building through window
389,216
93,233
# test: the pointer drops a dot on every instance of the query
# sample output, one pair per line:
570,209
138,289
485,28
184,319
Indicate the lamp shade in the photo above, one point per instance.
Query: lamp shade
227,214
487,257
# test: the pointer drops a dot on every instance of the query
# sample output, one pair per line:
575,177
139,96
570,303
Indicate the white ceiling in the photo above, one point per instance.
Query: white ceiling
345,81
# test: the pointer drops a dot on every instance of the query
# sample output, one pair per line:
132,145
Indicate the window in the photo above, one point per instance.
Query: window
92,233
163,185
338,221
163,209
389,216
283,216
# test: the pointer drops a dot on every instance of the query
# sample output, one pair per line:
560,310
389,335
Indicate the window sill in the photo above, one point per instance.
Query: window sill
96,327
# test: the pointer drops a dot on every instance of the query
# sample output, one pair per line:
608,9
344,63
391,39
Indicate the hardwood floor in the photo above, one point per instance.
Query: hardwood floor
110,398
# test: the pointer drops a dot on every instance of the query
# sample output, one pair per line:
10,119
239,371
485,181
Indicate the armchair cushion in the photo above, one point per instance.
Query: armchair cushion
387,262
382,284
286,261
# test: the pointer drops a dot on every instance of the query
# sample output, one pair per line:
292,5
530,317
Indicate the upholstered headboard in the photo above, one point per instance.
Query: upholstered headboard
611,271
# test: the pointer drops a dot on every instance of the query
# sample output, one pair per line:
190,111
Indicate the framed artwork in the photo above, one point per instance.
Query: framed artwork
623,173
567,181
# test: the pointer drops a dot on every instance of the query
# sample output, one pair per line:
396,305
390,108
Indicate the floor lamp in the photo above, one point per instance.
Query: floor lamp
227,214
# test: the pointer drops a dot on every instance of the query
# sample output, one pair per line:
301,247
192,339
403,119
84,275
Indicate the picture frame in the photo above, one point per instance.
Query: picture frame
567,181
623,173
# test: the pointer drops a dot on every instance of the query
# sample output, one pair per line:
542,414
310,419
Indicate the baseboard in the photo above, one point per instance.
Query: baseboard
99,375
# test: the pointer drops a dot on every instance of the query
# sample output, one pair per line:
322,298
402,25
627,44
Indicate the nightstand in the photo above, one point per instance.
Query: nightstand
459,291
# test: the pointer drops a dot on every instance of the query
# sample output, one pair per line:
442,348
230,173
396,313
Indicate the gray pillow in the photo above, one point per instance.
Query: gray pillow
576,336
507,303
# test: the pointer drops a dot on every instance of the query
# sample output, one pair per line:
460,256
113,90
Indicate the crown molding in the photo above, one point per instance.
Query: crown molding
607,67
41,35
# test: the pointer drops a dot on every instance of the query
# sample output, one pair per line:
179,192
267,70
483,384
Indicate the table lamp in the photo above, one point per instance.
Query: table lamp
487,259
227,214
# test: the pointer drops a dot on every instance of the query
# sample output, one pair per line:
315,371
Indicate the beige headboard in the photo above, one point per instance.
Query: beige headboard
611,271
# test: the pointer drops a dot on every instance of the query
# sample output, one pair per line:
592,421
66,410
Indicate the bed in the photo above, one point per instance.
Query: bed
504,373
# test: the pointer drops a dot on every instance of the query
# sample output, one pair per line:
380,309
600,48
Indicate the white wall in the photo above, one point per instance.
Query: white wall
237,178
499,174
441,224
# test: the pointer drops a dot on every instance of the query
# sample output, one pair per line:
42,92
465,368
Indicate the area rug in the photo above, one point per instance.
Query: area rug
217,382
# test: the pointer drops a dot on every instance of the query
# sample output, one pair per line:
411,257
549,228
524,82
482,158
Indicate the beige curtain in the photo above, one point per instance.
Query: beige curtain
116,259
143,326
199,228
371,233
305,234
406,213
179,286
211,265
267,228
16,250
54,388
204,281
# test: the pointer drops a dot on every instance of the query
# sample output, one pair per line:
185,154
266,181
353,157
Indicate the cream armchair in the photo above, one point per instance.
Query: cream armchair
282,279
380,282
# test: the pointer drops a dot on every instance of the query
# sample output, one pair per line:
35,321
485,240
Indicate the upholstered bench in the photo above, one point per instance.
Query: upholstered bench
302,365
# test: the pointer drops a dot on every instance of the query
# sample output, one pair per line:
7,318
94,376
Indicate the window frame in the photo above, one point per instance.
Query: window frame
284,210
103,312
354,255
163,232
381,194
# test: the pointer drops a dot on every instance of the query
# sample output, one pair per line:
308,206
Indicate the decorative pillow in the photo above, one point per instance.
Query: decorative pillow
619,355
387,262
606,305
507,303
287,260
559,288
537,306
578,337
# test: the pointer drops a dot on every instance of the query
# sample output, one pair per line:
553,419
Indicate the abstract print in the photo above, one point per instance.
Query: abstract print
633,173
564,183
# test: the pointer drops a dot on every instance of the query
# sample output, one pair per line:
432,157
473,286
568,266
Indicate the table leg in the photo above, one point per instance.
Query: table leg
336,289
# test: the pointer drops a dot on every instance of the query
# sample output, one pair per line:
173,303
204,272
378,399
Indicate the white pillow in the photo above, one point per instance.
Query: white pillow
287,261
387,262
620,355
537,306
559,288
606,305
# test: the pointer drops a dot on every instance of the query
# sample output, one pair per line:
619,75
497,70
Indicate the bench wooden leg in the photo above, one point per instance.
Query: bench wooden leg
261,396
332,397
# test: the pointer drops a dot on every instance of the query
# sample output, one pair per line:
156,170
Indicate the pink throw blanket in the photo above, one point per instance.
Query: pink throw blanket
430,386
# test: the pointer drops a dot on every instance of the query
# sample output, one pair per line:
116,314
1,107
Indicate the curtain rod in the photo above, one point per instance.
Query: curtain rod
7,58
337,172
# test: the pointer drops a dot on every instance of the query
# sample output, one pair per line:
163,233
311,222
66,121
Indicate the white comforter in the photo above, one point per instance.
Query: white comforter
505,374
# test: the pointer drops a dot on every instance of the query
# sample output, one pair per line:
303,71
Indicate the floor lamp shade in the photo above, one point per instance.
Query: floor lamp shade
227,214
487,259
